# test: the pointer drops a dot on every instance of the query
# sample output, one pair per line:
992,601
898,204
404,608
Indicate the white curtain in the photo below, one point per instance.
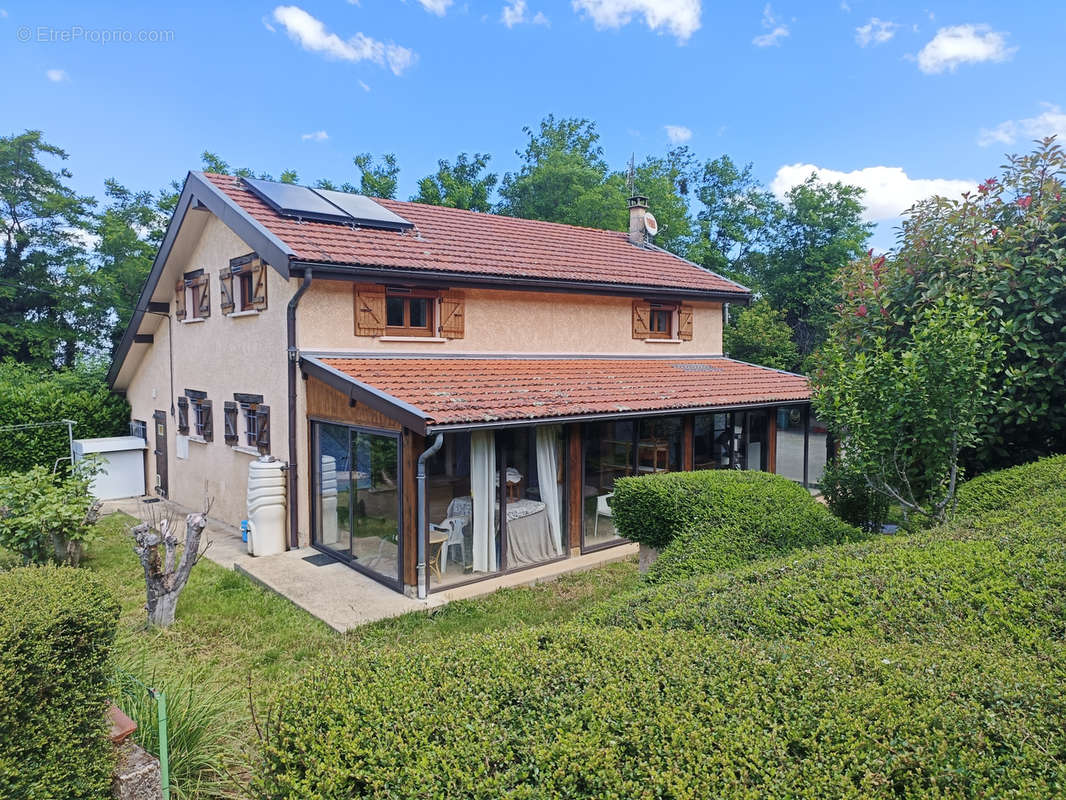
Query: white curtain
547,477
483,480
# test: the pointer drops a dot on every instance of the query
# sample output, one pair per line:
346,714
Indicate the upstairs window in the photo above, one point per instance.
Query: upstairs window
664,321
243,285
409,313
192,296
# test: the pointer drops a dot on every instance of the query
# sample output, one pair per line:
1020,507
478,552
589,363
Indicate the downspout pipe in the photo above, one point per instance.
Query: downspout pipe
294,358
427,454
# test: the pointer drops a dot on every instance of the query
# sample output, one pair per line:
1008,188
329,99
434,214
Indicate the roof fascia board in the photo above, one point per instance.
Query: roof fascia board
607,415
418,354
199,189
448,279
267,245
148,289
390,406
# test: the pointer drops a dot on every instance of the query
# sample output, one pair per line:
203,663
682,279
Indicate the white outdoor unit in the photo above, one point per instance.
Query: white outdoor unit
121,460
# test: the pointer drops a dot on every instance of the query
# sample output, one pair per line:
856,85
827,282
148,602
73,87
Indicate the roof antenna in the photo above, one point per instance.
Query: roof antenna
632,174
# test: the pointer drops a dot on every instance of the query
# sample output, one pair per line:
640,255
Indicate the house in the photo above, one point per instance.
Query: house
453,394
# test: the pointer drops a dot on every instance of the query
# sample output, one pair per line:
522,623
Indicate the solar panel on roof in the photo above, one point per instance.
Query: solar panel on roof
296,201
365,211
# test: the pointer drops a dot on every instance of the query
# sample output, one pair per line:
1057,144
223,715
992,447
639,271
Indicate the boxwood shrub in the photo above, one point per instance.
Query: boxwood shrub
57,626
581,713
999,579
996,491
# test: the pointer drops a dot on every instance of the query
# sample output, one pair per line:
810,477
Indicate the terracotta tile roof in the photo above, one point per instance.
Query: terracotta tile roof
466,242
465,390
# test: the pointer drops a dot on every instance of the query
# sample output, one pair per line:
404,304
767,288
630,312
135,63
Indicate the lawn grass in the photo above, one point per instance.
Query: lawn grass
239,639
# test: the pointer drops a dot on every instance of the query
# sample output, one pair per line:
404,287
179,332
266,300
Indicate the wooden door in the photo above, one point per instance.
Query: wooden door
159,420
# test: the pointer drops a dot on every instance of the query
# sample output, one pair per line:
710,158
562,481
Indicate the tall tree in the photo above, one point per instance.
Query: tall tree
735,221
564,178
464,184
377,178
128,232
819,231
43,224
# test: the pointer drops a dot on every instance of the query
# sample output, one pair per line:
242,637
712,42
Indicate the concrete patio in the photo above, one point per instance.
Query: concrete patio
337,594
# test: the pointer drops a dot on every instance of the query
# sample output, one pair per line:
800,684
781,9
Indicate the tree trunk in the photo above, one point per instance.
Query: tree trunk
163,581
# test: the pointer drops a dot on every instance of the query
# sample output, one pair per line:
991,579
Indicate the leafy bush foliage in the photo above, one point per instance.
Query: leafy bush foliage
57,626
32,394
759,334
654,509
921,666
200,726
38,509
998,491
850,498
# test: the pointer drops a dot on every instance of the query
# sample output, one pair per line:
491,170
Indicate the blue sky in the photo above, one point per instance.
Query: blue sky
906,98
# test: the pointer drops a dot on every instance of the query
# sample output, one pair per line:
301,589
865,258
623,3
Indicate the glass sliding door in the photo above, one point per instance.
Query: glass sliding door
357,494
617,449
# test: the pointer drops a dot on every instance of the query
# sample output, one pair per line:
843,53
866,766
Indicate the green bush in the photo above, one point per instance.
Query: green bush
31,394
57,626
1000,579
554,713
996,491
850,498
42,515
742,514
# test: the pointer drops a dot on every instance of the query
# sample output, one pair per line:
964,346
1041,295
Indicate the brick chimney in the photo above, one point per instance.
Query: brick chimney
638,207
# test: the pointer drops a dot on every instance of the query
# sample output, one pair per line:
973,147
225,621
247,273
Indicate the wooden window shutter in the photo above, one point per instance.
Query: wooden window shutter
208,416
179,299
369,311
262,434
229,422
684,323
259,285
452,316
225,284
641,317
183,415
204,296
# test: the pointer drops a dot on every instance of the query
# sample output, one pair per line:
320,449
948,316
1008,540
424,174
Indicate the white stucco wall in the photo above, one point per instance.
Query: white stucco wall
220,355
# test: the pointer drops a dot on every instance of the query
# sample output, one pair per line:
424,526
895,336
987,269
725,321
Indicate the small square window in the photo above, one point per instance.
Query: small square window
661,322
410,315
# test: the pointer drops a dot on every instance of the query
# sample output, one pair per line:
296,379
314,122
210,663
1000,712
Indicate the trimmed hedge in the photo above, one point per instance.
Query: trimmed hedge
922,666
654,509
996,491
571,713
998,579
57,626
32,394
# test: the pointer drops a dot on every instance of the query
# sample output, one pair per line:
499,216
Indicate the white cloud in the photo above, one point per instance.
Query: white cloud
363,86
316,136
889,190
3,12
777,29
1050,122
963,44
678,134
514,13
681,18
437,7
311,35
844,6
876,31
56,75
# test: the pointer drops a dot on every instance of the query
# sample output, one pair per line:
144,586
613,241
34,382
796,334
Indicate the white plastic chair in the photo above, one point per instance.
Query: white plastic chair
453,528
603,509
